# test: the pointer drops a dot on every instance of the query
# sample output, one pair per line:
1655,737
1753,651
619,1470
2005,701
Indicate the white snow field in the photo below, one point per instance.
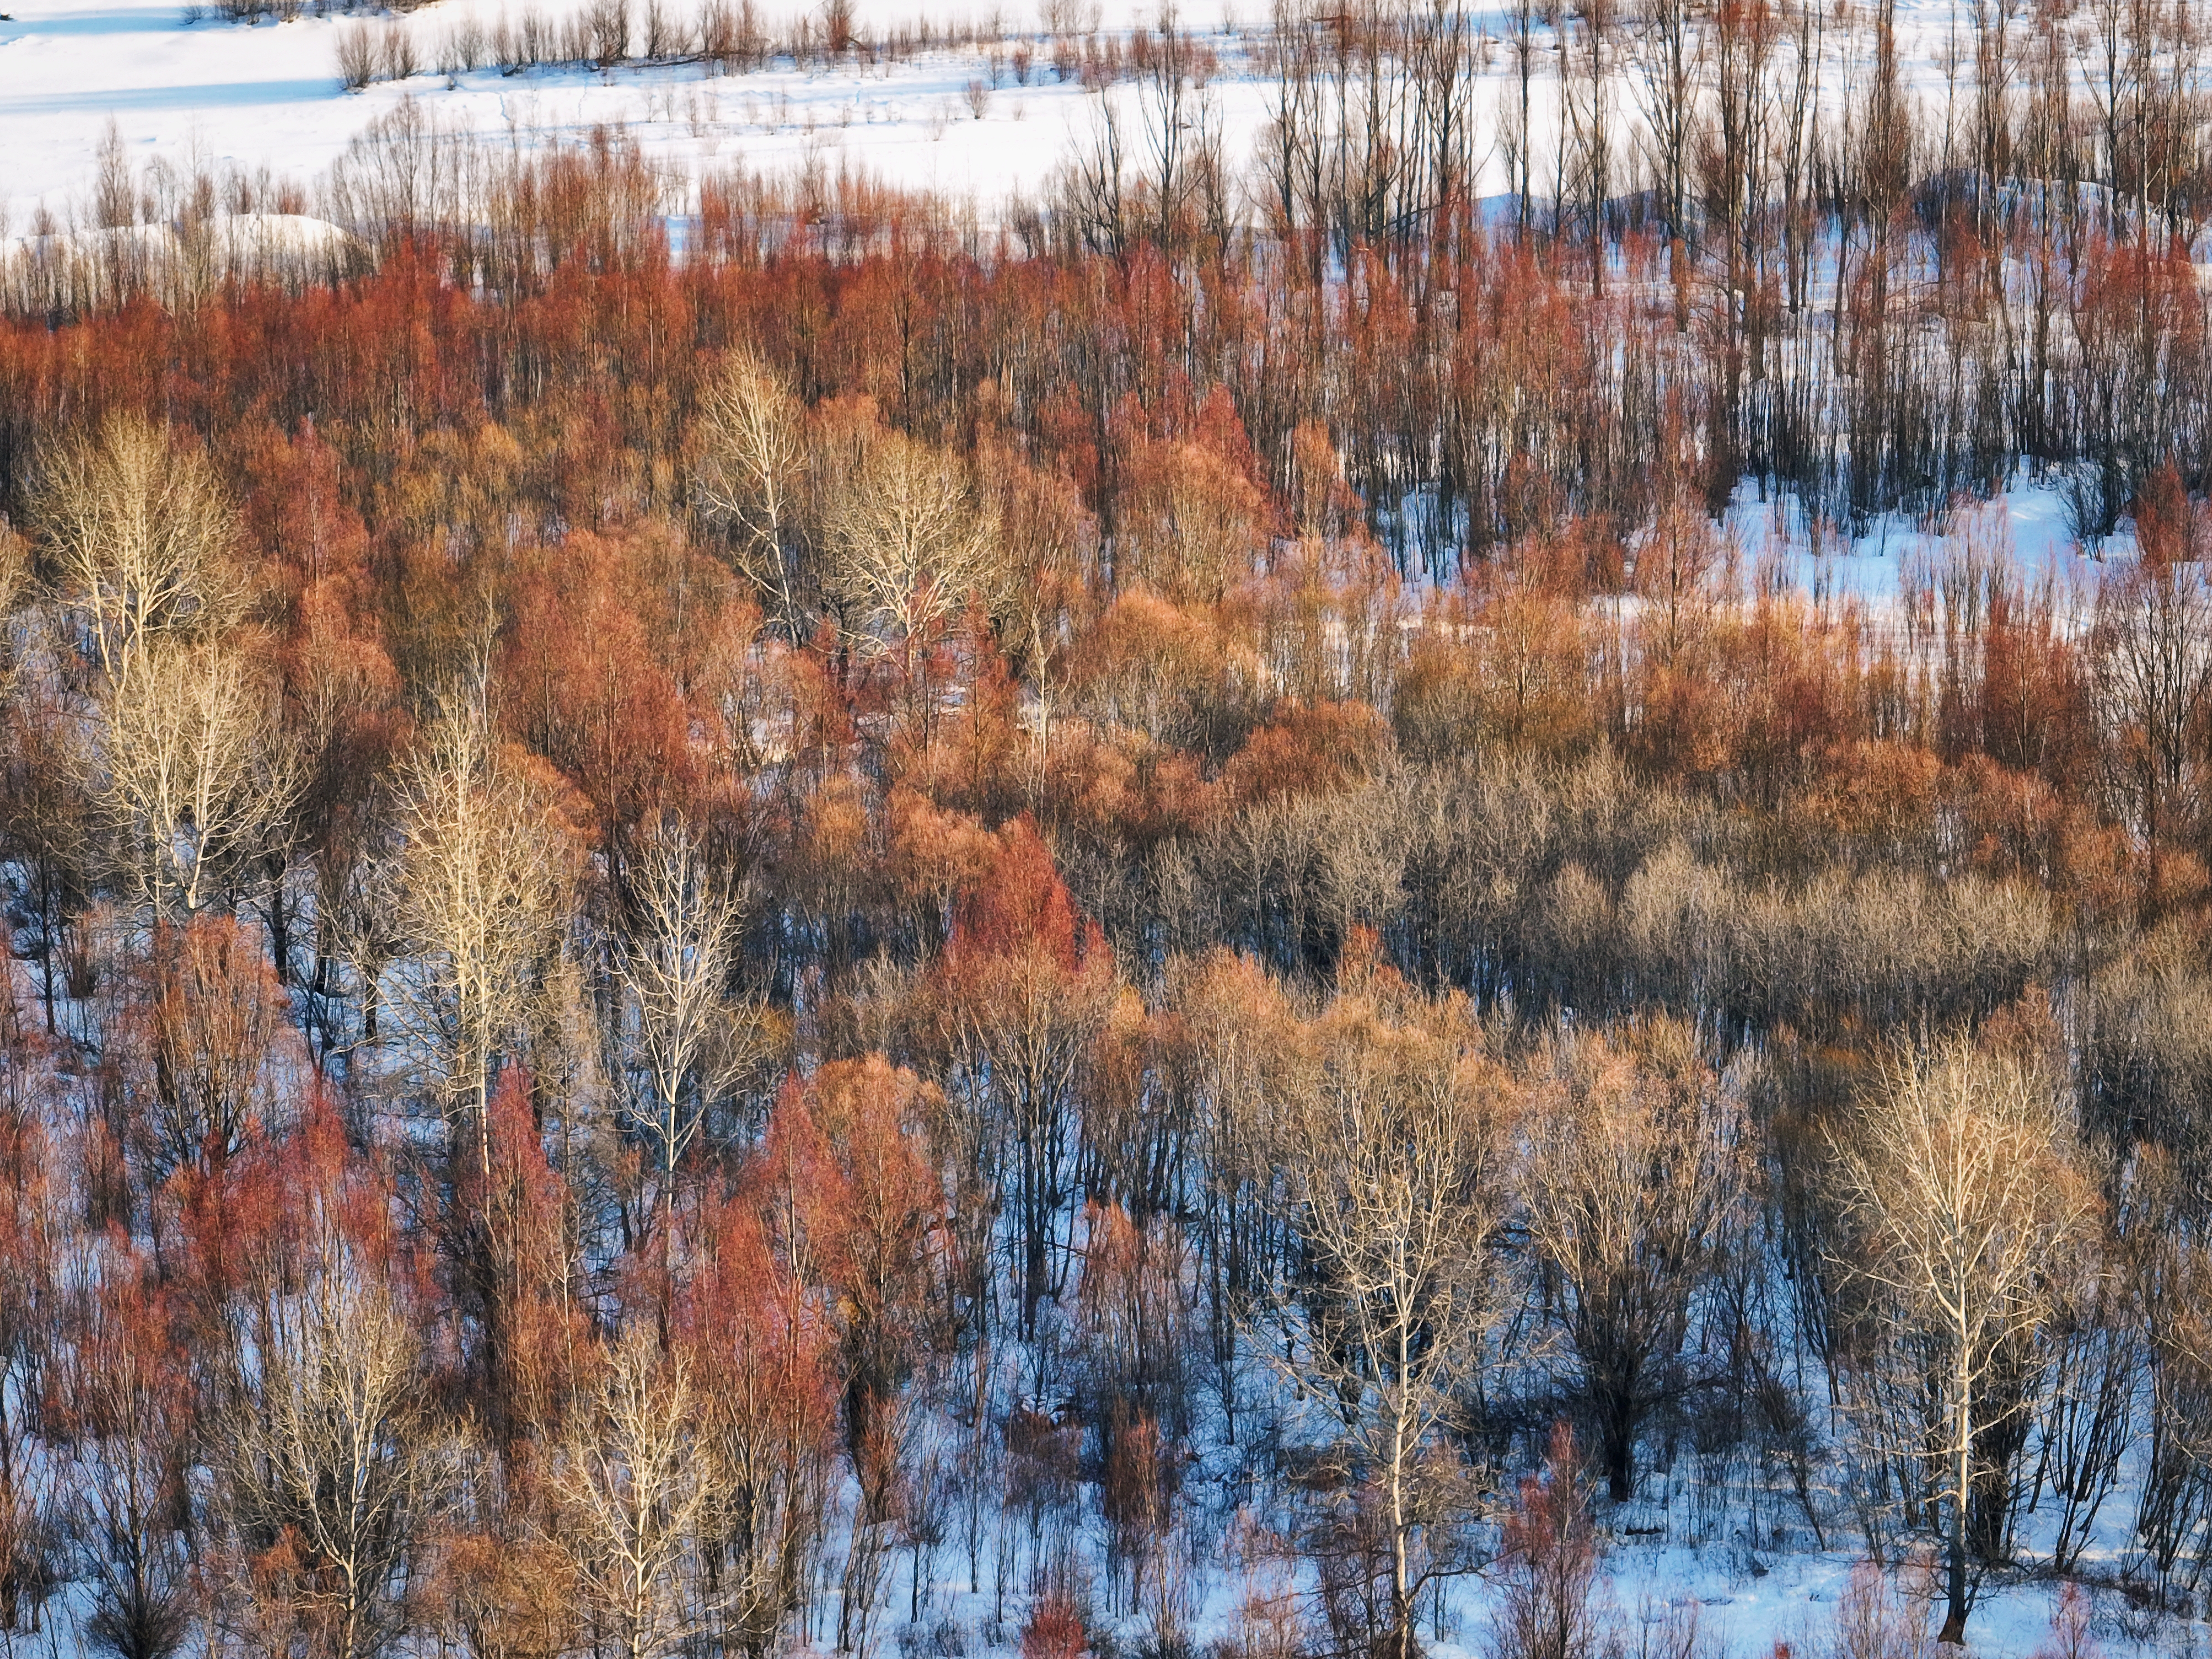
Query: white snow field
267,96
189,90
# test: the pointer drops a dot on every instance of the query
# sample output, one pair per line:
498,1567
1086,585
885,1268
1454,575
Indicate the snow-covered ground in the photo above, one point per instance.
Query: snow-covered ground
1737,1601
2027,521
192,94
189,90
1789,1608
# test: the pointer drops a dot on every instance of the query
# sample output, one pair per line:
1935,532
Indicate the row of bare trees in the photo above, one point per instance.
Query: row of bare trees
2012,284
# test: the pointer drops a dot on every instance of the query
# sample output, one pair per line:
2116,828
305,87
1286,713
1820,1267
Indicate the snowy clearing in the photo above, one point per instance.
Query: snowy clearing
983,120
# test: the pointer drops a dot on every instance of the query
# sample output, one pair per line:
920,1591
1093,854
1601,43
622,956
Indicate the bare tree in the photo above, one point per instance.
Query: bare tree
631,1493
14,587
474,898
2118,41
1517,137
1798,146
691,1041
912,546
1395,1153
2089,1416
191,773
213,1065
765,1426
1294,151
1956,1175
1633,1178
1023,991
1586,101
141,537
749,475
332,1449
1094,188
1183,137
1996,25
1667,51
2153,646
1740,50
128,1403
1441,62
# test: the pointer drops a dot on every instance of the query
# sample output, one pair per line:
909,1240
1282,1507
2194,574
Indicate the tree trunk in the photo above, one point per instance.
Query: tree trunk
1954,1586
